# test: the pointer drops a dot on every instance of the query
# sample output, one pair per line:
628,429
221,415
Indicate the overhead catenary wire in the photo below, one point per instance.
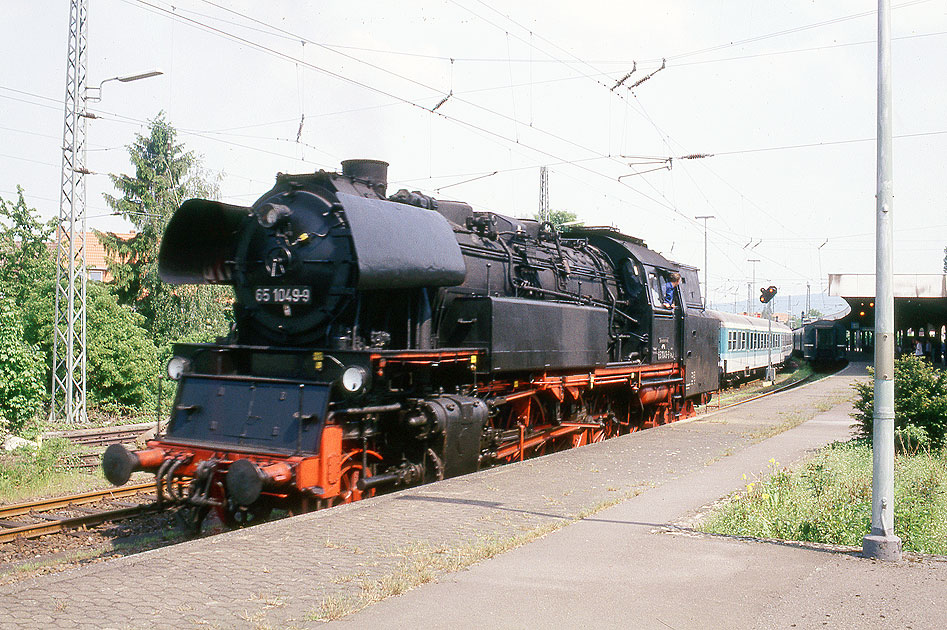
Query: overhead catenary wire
395,97
281,139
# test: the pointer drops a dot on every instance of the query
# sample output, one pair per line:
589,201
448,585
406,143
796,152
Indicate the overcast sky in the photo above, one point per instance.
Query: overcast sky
781,94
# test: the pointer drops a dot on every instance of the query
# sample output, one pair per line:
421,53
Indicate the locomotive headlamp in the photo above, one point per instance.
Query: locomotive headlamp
353,379
178,366
269,214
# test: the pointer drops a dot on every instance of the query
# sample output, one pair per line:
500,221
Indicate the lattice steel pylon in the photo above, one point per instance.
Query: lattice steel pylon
69,334
544,214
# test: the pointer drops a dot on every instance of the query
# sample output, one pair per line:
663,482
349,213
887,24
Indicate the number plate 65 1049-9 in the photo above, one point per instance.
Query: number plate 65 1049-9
283,295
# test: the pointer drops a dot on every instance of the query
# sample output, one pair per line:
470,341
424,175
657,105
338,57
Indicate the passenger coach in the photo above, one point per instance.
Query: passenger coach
747,345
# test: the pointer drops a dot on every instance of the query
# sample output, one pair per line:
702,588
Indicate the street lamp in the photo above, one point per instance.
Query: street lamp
95,98
706,282
68,400
752,288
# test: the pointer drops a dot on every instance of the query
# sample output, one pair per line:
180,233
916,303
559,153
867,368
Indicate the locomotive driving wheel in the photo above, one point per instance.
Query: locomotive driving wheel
348,485
236,516
608,429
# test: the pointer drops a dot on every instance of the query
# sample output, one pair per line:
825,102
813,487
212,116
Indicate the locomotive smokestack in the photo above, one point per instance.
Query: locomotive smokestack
375,172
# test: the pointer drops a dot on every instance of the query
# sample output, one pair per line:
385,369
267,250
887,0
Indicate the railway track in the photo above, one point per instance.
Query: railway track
48,516
777,390
103,436
99,438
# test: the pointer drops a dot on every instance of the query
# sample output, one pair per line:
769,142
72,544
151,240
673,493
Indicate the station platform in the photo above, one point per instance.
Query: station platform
592,537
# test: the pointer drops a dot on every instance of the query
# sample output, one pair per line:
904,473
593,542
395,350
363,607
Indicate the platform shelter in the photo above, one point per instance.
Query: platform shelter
920,311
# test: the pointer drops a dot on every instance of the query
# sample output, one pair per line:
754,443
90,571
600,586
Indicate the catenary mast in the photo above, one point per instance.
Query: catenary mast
69,324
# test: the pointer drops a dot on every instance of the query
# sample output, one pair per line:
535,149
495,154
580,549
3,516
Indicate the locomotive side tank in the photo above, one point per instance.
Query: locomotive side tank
385,341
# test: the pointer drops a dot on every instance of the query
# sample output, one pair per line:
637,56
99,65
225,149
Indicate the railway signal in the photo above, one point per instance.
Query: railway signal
767,294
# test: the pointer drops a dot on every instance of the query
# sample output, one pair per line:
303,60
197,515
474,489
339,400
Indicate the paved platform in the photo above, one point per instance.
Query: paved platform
620,566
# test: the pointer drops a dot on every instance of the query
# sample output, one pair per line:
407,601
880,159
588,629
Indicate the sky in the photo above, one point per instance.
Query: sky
779,98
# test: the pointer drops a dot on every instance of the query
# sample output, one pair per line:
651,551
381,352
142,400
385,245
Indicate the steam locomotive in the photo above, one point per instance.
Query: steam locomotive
384,341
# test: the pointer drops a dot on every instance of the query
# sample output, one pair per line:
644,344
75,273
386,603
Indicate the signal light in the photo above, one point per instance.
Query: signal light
767,294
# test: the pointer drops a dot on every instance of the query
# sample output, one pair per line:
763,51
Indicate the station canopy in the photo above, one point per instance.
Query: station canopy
920,300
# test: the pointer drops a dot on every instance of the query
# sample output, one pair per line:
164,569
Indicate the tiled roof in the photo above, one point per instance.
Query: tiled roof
95,255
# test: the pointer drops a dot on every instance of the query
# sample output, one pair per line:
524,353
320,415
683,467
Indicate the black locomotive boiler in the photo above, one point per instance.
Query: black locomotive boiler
389,341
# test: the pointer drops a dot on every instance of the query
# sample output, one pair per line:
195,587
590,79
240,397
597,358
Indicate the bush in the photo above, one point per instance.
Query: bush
122,364
22,381
920,405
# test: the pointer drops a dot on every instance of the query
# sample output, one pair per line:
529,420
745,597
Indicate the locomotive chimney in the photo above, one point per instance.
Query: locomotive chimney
375,172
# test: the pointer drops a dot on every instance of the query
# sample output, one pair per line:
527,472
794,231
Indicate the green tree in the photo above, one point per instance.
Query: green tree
121,358
165,176
25,263
25,258
559,218
22,382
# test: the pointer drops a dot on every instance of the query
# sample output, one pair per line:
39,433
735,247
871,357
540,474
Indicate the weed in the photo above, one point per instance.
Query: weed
828,500
335,607
422,562
36,471
789,421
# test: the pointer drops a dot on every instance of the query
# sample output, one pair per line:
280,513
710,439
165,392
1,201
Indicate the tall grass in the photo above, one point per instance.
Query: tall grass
829,501
27,473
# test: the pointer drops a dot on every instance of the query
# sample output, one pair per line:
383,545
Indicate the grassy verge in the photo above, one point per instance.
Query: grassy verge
828,500
27,473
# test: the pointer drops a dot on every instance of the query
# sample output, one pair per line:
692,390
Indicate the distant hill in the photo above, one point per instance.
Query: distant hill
792,304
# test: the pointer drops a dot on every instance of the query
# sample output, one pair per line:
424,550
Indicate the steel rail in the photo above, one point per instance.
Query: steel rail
51,525
45,505
779,389
103,435
58,525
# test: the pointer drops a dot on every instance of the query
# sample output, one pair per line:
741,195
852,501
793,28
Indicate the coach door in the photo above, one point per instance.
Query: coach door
666,322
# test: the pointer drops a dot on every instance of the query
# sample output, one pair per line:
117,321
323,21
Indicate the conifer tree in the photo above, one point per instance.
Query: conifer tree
165,176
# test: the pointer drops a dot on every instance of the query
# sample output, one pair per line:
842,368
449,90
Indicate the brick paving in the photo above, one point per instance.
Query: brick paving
282,574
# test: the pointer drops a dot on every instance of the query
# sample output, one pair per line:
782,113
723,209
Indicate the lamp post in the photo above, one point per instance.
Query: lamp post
750,289
95,98
882,543
68,402
706,282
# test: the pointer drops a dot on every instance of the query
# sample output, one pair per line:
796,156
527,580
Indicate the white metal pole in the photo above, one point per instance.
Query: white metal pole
752,290
69,323
882,543
706,281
